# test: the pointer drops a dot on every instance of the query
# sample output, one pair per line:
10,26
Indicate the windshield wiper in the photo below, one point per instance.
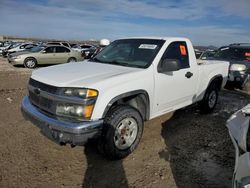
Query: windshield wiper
114,62
96,60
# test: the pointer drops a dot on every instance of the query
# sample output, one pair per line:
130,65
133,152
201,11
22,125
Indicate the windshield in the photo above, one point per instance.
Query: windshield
130,52
37,49
207,55
229,53
15,45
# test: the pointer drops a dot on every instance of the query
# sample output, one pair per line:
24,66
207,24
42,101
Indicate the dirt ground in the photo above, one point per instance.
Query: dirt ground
184,149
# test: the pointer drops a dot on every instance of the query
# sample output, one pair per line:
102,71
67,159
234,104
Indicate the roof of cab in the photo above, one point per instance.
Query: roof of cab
158,38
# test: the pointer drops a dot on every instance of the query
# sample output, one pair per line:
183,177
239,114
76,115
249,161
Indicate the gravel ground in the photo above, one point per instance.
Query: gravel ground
181,149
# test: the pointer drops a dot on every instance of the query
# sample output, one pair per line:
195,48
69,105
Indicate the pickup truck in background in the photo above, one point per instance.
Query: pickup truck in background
111,95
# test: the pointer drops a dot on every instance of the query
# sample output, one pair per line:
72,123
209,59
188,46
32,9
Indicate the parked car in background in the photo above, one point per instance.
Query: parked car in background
88,53
45,55
81,47
86,49
59,43
239,57
198,53
239,129
6,46
103,43
18,48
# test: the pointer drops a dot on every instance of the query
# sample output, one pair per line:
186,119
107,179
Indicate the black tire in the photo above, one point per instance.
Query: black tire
210,99
71,60
30,65
112,121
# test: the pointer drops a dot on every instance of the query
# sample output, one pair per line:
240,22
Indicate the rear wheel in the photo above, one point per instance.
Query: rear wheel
30,62
209,101
71,60
123,128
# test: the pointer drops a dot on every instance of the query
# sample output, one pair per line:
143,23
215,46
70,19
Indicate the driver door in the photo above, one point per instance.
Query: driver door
47,56
176,89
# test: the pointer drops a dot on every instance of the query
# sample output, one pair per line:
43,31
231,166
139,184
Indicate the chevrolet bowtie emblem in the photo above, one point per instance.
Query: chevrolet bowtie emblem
37,91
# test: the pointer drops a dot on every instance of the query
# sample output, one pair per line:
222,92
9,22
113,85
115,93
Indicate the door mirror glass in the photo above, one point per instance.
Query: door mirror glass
169,65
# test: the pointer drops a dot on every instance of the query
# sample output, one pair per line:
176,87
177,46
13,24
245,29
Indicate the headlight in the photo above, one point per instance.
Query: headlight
16,57
78,112
82,93
238,67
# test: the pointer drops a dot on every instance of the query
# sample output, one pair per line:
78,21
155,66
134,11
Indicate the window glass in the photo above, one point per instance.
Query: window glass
85,46
65,44
179,51
130,52
61,49
50,49
230,53
53,43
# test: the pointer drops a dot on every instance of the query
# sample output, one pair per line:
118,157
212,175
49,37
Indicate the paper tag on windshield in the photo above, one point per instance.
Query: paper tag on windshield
148,46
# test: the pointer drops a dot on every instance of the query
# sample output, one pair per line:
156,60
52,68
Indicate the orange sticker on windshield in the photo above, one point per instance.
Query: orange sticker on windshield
183,50
247,54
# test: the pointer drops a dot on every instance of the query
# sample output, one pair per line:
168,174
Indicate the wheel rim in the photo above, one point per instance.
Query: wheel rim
72,60
30,63
125,133
212,99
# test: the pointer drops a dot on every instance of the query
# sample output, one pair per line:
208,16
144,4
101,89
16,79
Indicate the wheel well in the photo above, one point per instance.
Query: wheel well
72,58
138,101
217,80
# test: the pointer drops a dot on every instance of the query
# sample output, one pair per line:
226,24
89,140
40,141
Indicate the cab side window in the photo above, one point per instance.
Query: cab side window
179,51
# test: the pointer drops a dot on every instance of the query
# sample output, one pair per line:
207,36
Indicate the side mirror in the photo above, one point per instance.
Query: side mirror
204,58
43,51
169,65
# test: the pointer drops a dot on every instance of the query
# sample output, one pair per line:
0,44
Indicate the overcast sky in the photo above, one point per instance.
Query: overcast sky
214,22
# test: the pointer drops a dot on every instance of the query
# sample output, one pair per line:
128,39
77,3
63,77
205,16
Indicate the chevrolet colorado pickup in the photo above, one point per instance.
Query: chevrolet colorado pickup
111,95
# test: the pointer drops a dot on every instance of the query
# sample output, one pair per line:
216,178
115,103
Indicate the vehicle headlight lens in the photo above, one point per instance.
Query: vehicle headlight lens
78,112
238,67
17,57
82,93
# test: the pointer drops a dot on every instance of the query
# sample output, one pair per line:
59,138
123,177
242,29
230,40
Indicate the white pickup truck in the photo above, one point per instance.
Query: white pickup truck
111,95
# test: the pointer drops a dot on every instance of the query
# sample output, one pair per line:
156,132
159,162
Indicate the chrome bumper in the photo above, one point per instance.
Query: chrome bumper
61,131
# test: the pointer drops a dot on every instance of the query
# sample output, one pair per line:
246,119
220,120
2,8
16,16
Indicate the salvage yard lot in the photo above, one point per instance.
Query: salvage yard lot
184,149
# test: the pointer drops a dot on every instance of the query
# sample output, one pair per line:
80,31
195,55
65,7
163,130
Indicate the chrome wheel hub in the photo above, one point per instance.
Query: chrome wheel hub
212,99
30,63
125,133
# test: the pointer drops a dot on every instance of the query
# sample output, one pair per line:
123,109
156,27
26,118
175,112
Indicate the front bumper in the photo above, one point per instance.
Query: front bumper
61,131
14,61
237,77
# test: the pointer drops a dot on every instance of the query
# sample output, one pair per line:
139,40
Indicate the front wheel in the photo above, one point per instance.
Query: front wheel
30,62
210,99
123,128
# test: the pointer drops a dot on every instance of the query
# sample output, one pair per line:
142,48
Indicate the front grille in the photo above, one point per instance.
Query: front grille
43,87
40,102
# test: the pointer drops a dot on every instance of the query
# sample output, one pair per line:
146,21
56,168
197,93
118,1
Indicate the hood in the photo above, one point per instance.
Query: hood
247,63
79,74
20,53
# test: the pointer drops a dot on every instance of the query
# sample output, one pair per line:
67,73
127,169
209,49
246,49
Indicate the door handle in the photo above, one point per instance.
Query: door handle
189,74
